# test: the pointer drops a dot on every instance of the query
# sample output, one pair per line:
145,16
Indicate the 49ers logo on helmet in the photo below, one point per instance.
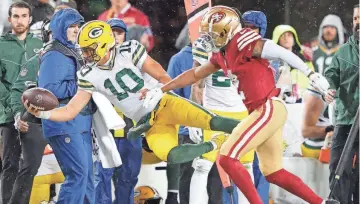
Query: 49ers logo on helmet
95,32
217,17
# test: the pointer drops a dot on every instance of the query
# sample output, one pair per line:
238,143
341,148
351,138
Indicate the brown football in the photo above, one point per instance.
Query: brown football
40,98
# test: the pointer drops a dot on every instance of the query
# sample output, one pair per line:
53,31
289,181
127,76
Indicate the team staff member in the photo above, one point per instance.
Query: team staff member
71,141
18,62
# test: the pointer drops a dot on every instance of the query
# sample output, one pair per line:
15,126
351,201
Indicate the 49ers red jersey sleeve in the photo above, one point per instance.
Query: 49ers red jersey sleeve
245,41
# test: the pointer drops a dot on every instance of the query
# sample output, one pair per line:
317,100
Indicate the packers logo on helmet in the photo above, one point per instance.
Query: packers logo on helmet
95,32
95,39
219,25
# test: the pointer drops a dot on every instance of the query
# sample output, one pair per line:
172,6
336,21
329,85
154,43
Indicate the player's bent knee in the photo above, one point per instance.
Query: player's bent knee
174,156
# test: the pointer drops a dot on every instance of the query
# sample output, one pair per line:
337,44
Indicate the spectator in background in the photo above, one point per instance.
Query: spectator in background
61,4
130,15
286,36
140,34
17,59
330,38
257,21
343,76
179,175
41,10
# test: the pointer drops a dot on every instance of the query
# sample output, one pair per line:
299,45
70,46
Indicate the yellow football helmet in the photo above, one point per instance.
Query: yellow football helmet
146,195
218,26
95,39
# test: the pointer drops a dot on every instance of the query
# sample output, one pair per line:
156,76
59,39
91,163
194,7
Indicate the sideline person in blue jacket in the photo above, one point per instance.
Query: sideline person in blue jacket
71,141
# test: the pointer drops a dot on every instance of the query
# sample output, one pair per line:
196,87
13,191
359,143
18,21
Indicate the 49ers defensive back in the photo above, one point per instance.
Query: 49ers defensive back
242,54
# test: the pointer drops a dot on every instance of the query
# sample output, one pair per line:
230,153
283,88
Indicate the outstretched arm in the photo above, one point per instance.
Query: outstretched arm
191,76
267,49
155,70
65,113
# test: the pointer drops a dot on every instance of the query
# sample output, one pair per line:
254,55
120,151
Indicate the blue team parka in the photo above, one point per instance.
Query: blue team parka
58,74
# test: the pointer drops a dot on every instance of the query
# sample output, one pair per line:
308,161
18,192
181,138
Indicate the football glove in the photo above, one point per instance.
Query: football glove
152,97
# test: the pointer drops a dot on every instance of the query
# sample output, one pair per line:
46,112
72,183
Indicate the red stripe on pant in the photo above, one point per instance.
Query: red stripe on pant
247,130
261,127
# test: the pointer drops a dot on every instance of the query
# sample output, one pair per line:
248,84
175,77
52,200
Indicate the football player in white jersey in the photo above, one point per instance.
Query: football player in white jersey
118,73
220,96
317,128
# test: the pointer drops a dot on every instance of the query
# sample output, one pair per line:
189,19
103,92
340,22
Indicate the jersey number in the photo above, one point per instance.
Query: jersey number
219,80
119,79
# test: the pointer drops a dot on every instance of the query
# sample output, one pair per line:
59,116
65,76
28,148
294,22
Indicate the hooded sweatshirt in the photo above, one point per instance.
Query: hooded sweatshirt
58,75
324,52
297,76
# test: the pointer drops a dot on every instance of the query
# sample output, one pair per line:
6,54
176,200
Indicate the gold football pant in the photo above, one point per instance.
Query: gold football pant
211,156
41,187
262,131
174,110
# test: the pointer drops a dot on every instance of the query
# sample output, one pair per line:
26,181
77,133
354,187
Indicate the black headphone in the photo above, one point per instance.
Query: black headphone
45,33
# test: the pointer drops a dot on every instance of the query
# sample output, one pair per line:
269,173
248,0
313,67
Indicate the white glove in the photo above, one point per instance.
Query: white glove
195,134
318,81
152,97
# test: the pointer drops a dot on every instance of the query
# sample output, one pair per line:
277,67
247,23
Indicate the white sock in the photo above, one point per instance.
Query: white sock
198,184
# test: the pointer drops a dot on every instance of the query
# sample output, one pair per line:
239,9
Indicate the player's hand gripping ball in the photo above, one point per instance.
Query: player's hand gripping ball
39,99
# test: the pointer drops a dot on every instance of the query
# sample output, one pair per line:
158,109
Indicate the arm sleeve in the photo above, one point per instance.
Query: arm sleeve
63,83
174,71
272,51
332,73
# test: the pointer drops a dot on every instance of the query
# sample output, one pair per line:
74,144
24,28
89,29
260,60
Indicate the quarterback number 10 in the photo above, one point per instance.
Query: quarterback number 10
122,95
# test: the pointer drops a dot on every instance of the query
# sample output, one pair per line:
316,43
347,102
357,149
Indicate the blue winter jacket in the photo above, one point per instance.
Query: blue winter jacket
58,74
179,63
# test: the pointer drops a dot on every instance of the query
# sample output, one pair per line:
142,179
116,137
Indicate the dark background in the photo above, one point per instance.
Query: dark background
167,17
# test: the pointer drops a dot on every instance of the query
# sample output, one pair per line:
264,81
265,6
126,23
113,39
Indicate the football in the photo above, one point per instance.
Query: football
40,98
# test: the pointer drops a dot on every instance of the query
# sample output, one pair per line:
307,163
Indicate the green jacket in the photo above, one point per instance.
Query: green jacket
343,76
14,56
